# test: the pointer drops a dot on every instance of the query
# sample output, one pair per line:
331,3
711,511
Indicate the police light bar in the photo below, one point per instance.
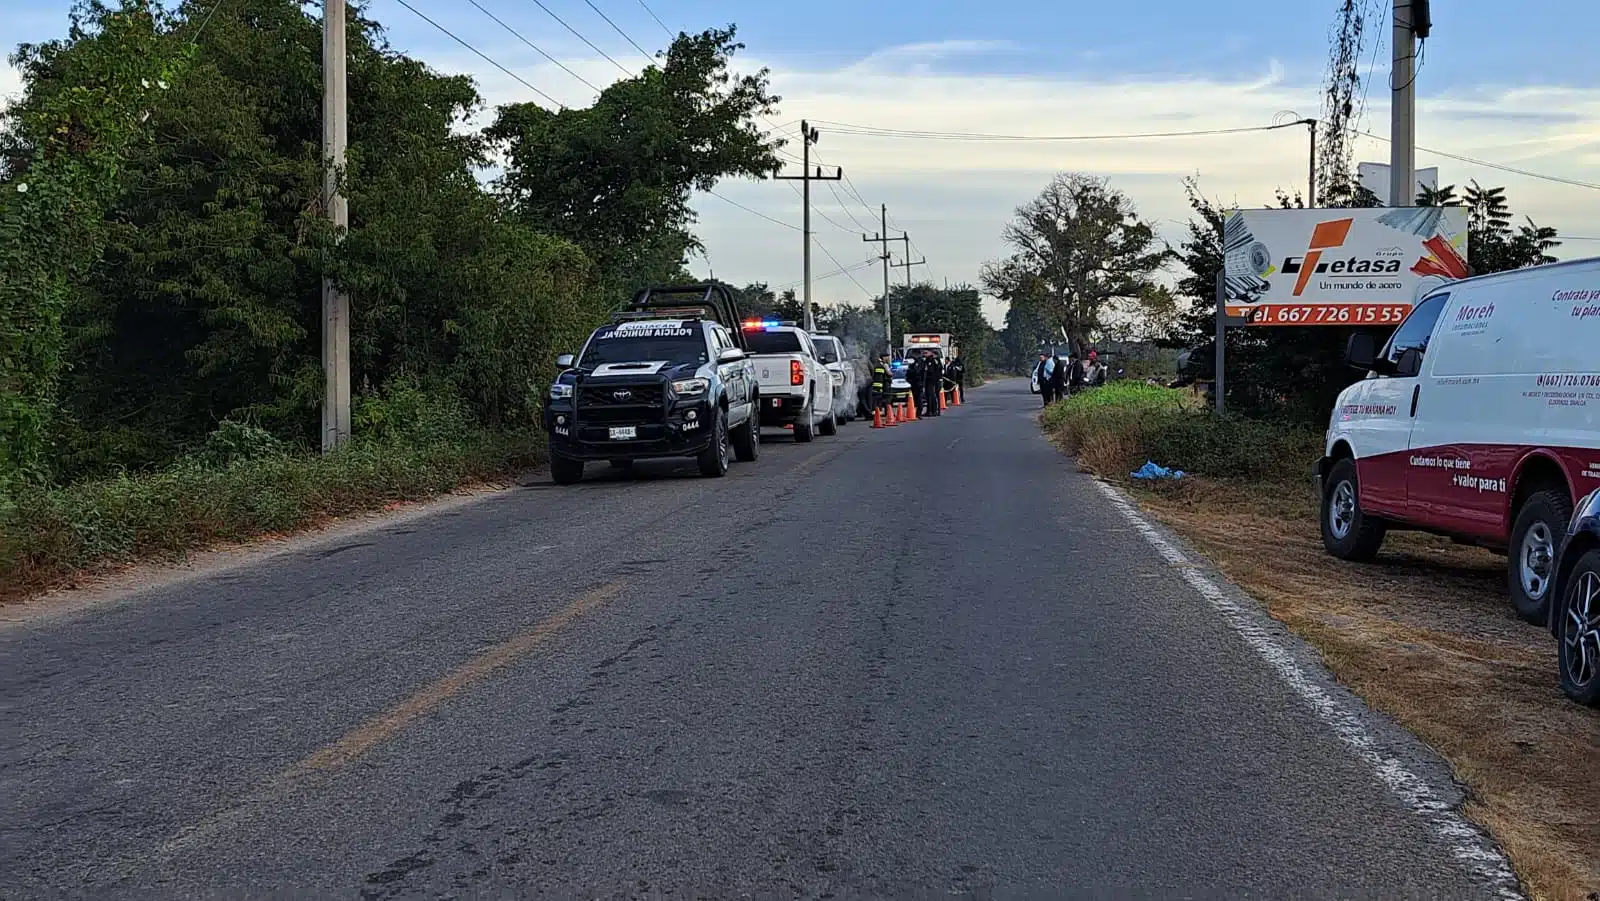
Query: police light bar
923,339
753,324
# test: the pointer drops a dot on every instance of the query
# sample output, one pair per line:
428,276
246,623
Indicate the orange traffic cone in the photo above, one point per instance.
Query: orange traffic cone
877,418
955,395
942,406
911,410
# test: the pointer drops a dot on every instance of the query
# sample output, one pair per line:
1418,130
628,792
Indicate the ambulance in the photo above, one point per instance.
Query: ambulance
1478,420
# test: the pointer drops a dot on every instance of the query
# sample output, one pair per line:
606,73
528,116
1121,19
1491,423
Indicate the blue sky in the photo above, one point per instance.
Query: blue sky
1513,83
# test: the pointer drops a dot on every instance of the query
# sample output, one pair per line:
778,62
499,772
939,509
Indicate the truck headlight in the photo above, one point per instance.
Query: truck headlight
560,391
690,387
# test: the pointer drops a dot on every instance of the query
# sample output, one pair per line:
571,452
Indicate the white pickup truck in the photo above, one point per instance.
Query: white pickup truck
796,387
846,393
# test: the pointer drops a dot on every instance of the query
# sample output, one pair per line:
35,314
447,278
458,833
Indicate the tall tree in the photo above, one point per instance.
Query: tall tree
1081,252
616,178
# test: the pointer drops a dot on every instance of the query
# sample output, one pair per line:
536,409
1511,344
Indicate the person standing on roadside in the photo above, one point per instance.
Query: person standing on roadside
1061,376
914,376
956,375
882,383
932,382
1042,373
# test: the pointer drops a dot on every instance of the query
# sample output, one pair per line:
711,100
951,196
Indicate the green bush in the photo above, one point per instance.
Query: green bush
1115,429
49,532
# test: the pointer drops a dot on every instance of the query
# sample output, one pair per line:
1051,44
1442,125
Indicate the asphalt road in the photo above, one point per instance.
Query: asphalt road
927,660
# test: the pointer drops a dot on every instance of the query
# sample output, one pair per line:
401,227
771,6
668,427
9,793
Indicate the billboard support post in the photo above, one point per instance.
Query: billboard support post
1222,336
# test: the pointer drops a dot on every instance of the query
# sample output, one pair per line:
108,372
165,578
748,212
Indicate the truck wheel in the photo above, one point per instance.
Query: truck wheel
1347,532
1535,539
714,460
747,438
1578,632
804,427
830,425
565,470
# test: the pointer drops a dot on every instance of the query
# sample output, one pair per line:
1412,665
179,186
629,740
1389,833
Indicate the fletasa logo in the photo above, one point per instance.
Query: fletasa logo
1331,236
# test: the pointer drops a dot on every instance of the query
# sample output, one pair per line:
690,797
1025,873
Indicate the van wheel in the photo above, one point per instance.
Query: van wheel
565,470
1347,532
1579,632
1531,563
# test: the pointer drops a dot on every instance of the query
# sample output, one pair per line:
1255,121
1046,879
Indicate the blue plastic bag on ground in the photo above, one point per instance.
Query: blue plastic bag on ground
1151,470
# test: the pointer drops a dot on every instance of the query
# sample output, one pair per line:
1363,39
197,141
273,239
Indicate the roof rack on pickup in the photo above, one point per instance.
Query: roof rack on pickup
704,300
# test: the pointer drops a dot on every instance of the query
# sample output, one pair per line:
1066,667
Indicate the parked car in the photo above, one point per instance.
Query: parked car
796,388
649,386
1575,606
834,355
1479,419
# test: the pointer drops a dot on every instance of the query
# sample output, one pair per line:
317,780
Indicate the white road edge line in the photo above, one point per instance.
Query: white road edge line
1464,839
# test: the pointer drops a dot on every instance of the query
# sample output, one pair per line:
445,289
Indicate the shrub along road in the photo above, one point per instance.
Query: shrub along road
927,659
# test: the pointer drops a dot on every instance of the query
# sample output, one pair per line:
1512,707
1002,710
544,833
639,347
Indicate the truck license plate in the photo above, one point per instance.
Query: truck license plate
624,433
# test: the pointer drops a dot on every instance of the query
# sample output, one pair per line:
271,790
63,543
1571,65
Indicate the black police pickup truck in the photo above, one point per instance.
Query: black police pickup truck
669,376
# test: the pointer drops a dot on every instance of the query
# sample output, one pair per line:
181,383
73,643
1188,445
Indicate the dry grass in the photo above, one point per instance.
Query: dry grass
1427,636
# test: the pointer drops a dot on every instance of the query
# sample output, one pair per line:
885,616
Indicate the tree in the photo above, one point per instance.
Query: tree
1081,255
958,311
616,178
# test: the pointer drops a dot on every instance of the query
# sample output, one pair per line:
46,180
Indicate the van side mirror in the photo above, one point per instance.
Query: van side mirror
730,355
1361,352
566,361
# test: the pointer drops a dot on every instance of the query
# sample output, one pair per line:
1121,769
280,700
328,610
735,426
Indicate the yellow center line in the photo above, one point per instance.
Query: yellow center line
386,725
368,735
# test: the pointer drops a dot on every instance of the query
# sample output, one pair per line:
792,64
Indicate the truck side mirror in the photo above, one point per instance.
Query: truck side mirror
730,355
566,361
1361,352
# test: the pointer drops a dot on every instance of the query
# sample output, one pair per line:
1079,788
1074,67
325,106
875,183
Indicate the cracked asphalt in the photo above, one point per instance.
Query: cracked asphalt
913,662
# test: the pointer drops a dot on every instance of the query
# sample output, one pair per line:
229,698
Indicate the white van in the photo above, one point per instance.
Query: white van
1480,420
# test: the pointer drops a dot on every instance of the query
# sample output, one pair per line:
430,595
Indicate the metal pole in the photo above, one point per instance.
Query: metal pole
888,318
335,304
1402,118
805,190
1222,334
1311,167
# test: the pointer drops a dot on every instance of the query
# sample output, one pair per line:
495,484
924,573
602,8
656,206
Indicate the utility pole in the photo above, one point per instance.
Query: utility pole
882,239
1311,165
1411,21
335,304
909,262
808,137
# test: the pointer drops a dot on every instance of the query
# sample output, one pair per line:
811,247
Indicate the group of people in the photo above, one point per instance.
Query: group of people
1059,377
928,375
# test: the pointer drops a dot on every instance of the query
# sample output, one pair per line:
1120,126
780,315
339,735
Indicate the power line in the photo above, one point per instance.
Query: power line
832,273
536,47
206,21
754,212
480,53
1488,165
874,131
576,33
653,15
842,267
618,30
840,201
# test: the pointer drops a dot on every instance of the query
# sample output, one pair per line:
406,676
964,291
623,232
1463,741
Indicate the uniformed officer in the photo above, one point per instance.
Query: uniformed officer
915,377
882,383
956,374
932,382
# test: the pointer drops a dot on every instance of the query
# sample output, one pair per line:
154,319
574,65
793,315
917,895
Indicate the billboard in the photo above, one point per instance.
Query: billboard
1339,267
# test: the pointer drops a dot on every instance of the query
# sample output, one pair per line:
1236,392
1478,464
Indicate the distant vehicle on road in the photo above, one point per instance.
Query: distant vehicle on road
1575,604
1479,419
796,388
846,393
670,376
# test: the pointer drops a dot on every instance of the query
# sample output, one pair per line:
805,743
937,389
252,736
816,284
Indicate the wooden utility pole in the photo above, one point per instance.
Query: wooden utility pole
808,137
882,239
335,303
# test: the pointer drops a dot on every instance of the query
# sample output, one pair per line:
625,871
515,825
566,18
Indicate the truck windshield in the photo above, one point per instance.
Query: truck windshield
678,345
763,342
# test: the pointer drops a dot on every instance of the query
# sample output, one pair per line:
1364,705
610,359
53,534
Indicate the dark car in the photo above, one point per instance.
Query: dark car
1575,615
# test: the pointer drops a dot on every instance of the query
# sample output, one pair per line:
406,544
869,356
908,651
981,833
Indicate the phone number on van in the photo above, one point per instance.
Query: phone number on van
1324,314
1569,380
